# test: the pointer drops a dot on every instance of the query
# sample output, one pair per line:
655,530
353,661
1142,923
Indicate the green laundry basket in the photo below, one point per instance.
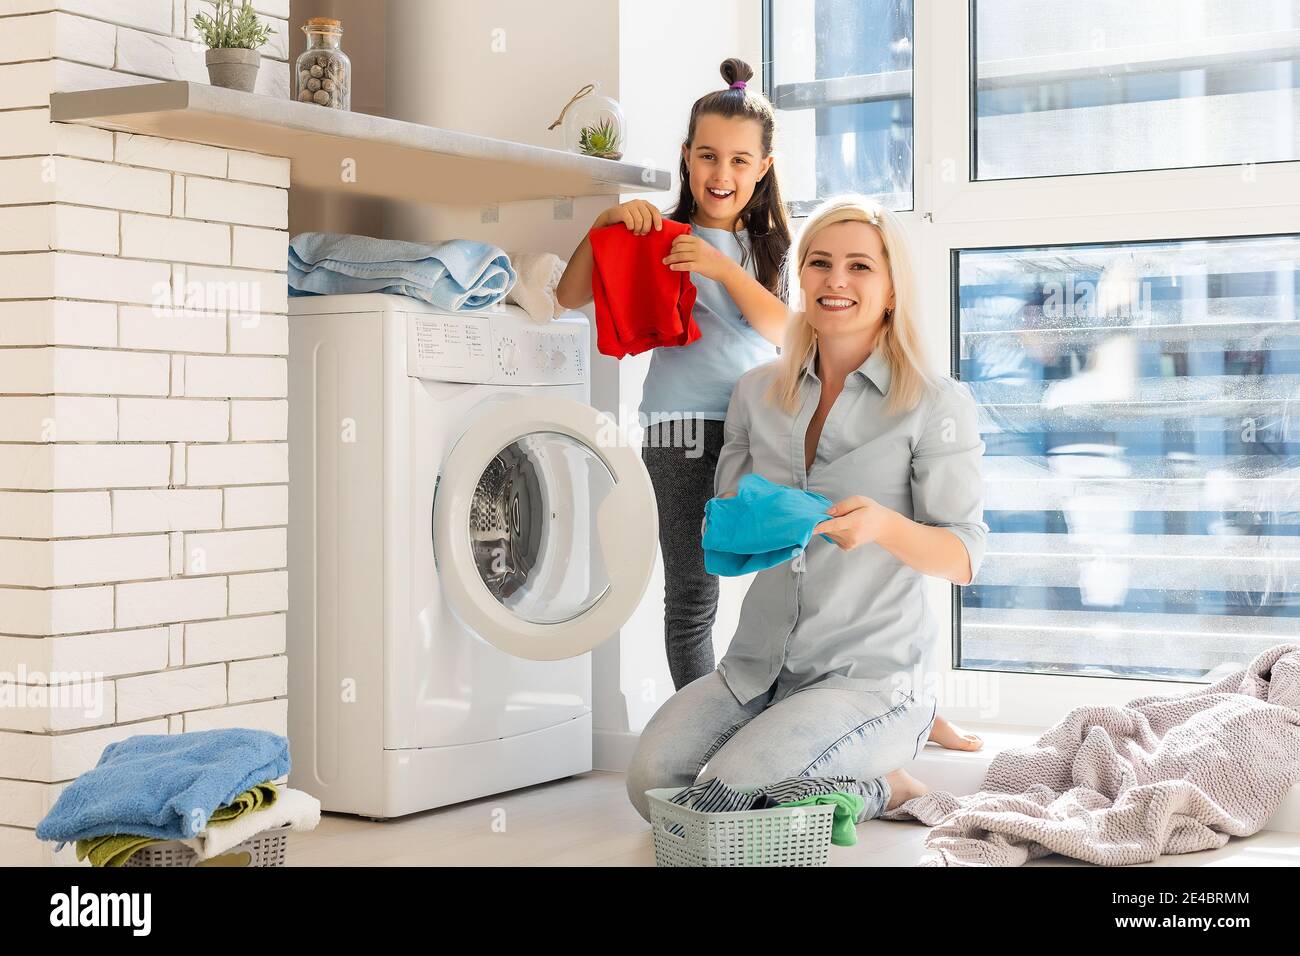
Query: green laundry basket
781,836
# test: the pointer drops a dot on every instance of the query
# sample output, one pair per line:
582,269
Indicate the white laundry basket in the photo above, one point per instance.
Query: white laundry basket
781,836
263,849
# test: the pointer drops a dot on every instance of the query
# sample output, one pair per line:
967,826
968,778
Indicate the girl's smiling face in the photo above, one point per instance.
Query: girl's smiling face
845,280
724,163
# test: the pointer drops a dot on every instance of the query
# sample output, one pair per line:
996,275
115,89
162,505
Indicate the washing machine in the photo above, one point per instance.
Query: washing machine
463,529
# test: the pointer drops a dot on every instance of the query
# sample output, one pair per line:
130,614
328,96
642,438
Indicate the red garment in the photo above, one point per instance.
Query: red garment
640,303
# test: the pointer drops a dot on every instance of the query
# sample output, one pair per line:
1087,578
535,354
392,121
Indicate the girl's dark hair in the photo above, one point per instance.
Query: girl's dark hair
764,215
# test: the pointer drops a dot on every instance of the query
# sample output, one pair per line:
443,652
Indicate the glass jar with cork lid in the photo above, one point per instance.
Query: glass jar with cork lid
323,73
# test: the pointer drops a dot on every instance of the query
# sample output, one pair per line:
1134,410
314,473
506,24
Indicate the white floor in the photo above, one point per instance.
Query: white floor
587,821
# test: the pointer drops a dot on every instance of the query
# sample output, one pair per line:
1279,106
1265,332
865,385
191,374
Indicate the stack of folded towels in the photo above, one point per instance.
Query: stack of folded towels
210,789
455,275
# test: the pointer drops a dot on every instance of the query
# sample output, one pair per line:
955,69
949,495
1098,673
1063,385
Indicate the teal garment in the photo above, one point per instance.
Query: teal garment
695,381
848,807
763,525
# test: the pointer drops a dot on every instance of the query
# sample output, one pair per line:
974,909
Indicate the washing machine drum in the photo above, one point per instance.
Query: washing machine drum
545,528
533,510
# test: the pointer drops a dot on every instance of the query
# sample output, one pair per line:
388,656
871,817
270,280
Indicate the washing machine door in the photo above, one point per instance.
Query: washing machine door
545,528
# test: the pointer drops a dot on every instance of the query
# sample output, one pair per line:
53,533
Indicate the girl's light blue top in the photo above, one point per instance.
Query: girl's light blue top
696,380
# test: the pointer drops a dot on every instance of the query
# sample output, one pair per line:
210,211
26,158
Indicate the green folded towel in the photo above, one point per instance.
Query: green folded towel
847,808
115,849
254,798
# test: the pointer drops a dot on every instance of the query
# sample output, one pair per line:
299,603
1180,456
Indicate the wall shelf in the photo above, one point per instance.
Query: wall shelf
393,159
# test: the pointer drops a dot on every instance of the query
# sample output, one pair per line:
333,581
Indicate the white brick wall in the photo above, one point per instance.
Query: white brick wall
61,514
218,376
234,638
58,322
262,679
156,237
171,692
78,228
259,421
160,602
143,384
257,506
166,509
257,593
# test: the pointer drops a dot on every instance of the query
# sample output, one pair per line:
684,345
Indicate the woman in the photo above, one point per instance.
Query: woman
826,674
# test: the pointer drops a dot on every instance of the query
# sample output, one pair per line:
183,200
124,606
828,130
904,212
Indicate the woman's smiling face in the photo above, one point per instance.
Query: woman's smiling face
845,280
724,163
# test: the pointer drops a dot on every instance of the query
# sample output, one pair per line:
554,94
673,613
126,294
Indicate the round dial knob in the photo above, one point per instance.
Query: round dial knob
509,354
557,359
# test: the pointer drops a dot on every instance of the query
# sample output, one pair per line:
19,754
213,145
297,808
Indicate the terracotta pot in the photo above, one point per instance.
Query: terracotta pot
233,69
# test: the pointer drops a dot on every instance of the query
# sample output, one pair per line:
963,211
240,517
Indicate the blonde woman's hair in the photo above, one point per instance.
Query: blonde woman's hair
899,338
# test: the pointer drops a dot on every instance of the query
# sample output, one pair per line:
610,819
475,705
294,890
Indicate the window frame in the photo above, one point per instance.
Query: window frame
951,212
800,208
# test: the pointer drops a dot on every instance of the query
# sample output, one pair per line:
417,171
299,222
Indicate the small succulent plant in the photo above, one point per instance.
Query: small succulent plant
601,140
231,27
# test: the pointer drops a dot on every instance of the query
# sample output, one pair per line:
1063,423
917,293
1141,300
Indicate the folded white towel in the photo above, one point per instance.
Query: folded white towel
300,810
538,274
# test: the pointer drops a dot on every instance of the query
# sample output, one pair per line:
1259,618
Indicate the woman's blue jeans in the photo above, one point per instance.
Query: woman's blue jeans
703,732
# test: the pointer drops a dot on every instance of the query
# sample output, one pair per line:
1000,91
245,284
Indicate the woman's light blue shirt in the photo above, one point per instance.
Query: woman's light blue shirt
851,619
696,380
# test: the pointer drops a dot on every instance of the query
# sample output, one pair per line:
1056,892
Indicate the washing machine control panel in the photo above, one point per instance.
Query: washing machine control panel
499,349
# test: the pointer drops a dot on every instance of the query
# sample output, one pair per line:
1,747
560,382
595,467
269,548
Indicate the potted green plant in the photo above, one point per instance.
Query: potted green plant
232,36
593,124
601,139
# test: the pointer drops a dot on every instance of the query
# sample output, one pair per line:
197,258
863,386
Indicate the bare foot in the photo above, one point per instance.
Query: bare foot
951,737
903,787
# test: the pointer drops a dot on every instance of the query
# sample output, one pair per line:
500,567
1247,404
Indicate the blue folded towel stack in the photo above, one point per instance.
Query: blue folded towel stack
456,275
164,785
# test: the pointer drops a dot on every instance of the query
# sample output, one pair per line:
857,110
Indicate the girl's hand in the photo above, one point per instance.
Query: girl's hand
637,214
691,253
854,521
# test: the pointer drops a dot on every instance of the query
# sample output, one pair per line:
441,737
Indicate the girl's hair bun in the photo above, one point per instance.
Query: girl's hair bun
734,69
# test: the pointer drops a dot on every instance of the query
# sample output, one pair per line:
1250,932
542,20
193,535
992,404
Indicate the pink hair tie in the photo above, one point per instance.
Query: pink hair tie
738,85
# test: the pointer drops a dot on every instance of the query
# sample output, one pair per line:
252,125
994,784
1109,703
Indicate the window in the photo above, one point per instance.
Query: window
1140,404
1102,200
1064,87
840,78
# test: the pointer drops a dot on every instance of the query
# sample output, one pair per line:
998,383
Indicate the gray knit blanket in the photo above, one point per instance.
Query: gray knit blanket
1122,785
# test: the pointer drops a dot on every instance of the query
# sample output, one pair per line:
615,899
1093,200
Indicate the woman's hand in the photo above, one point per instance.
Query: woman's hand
637,214
854,521
691,253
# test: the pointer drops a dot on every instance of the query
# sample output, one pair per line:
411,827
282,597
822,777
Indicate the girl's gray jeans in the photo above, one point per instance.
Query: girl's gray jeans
681,457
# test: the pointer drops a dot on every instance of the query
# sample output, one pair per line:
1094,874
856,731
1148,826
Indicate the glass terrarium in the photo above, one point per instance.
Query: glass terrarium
323,72
594,125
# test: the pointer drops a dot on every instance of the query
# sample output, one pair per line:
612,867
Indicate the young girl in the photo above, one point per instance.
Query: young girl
738,240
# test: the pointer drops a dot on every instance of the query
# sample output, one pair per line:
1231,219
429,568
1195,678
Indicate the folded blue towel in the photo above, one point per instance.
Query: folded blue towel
164,785
456,275
763,525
